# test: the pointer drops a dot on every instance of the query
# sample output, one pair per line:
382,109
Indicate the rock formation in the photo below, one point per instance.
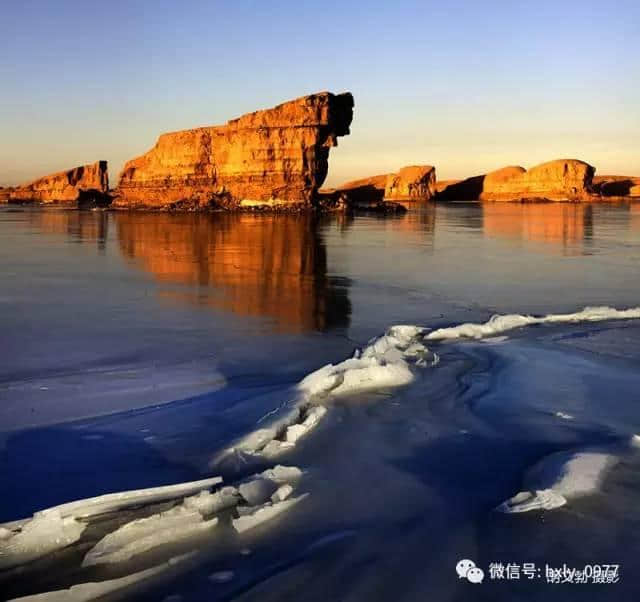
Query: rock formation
413,183
274,156
560,180
617,186
5,194
362,191
84,184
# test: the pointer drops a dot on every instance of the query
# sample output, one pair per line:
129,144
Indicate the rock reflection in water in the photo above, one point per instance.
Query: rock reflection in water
563,227
259,265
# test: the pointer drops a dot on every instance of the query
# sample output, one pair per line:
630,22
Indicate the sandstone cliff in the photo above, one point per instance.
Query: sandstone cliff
5,194
411,183
277,155
362,191
87,183
560,180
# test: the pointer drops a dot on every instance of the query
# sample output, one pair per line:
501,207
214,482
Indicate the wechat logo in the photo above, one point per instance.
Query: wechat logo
467,569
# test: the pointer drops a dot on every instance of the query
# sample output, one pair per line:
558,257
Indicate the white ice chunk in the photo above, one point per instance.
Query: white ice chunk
256,439
263,514
257,491
502,323
38,537
282,493
564,415
313,416
275,447
545,499
382,363
111,502
207,503
560,477
294,432
144,534
385,362
282,474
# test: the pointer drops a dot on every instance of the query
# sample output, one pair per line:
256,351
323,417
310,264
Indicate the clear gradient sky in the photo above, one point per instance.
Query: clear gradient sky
467,86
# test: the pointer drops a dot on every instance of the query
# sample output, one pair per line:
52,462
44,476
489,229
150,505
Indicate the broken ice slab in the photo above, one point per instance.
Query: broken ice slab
38,537
258,488
207,503
111,502
264,513
57,527
142,535
282,493
275,447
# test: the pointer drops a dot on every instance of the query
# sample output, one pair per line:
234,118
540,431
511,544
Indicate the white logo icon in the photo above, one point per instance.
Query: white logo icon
468,569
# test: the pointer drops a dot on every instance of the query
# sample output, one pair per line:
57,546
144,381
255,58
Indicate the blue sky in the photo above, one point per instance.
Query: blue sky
466,86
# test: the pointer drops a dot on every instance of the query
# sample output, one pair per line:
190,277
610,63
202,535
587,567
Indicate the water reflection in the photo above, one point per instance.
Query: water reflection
266,265
635,216
276,266
79,226
563,227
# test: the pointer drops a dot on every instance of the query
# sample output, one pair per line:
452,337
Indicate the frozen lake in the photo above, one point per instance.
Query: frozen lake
137,349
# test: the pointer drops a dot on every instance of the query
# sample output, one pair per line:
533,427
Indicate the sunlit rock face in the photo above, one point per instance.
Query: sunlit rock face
84,183
560,180
412,183
273,156
270,266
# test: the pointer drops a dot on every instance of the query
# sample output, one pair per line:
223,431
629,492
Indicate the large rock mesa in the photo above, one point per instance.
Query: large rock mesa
269,157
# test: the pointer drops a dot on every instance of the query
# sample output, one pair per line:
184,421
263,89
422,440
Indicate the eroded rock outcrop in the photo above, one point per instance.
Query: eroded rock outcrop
84,184
559,180
412,183
617,186
273,156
